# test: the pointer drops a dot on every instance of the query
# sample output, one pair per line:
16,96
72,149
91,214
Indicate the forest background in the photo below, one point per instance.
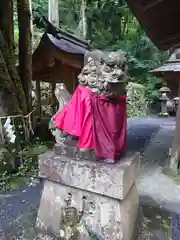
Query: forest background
110,26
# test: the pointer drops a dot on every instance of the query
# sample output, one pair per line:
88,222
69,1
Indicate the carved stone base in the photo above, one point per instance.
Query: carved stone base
82,199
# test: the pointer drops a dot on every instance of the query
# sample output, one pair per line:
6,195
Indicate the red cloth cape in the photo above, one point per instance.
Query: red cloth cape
98,122
109,126
76,118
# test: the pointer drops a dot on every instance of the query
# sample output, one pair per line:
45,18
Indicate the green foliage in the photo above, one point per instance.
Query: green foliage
137,104
40,7
112,26
6,160
30,156
12,176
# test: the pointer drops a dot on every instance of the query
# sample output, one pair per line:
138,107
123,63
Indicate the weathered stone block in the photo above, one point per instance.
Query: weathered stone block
84,198
113,180
104,217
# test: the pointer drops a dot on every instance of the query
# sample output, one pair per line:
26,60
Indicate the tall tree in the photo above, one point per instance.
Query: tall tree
6,23
8,93
53,17
25,49
53,12
12,98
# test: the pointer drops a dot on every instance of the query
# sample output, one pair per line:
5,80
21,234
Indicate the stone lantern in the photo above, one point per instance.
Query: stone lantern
164,98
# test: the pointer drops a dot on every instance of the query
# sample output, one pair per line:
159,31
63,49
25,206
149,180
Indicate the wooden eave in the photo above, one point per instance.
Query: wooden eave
160,20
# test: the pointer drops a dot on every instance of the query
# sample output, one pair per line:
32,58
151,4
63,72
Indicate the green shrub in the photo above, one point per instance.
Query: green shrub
137,104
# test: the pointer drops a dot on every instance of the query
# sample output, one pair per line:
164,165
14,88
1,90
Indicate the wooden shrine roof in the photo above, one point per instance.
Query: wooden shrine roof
62,46
58,52
160,20
170,66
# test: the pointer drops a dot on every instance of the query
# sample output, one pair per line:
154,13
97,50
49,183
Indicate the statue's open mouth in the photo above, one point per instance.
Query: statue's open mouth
117,79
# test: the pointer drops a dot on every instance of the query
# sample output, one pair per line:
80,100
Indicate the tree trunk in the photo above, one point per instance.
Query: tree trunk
89,27
53,12
53,17
25,49
99,4
6,23
8,95
12,98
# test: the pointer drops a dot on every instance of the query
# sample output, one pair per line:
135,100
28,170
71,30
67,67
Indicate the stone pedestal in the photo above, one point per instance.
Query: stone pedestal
84,199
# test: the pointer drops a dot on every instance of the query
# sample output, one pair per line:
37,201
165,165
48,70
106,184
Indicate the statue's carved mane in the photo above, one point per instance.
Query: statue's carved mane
102,70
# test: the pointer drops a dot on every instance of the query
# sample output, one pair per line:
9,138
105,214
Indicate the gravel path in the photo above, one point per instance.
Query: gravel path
152,136
15,203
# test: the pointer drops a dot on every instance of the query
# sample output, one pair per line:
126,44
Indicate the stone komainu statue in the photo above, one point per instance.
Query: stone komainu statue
105,72
96,113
